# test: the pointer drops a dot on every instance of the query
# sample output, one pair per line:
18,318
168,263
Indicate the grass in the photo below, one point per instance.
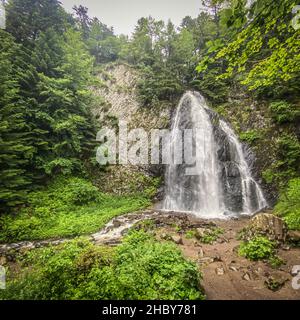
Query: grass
67,208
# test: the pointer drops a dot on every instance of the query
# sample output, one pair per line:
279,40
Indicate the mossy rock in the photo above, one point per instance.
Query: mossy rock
268,225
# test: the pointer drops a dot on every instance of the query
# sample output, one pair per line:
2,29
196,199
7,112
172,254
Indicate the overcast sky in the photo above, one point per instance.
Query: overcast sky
123,14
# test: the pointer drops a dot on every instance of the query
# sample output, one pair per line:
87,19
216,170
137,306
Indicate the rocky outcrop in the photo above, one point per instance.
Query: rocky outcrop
268,225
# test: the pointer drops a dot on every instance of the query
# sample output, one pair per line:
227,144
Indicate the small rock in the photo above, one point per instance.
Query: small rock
259,271
165,236
246,276
201,232
220,271
3,260
206,260
117,223
275,283
232,268
177,239
217,258
295,271
200,253
286,248
196,243
294,235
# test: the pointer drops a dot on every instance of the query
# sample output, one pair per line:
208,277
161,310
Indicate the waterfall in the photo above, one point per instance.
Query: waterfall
209,176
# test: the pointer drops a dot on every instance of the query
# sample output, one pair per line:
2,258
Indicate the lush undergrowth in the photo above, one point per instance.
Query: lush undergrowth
289,204
67,207
140,268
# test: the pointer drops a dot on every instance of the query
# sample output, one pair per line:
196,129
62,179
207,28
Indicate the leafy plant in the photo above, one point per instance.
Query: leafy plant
190,234
250,136
283,112
257,248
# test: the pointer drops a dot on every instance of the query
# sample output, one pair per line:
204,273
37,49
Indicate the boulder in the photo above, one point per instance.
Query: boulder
268,225
177,239
294,235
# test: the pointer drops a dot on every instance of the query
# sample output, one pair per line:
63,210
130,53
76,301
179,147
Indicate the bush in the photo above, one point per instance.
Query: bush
140,268
288,205
257,248
283,112
250,136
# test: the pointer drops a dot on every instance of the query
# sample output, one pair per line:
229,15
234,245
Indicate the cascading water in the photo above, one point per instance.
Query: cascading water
217,181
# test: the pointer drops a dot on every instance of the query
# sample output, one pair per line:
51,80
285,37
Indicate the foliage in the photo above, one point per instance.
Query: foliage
190,234
250,136
288,205
257,248
140,268
67,207
210,235
275,261
46,123
283,111
261,52
286,166
15,153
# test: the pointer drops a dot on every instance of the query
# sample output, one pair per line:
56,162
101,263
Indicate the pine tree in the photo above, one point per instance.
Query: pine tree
15,152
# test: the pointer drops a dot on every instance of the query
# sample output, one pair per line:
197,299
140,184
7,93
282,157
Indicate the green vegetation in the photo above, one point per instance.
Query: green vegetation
257,47
275,261
233,52
67,207
140,268
287,164
250,136
257,248
210,235
289,204
283,111
190,234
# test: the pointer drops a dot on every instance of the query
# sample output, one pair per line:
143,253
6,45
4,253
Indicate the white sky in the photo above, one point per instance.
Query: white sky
123,14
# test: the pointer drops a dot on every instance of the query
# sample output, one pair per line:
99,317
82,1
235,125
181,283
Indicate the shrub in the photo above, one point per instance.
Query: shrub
140,268
289,204
250,136
257,248
282,112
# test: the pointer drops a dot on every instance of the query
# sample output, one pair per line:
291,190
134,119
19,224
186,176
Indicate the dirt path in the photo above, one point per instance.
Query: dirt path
227,276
